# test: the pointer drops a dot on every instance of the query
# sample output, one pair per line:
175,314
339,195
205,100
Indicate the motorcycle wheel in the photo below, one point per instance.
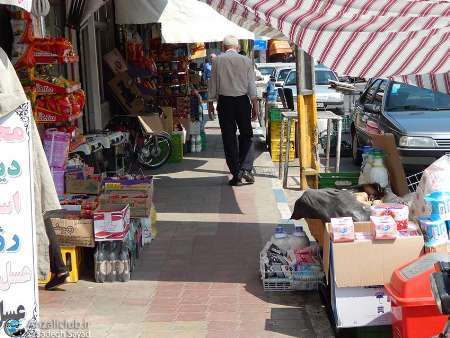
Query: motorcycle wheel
155,152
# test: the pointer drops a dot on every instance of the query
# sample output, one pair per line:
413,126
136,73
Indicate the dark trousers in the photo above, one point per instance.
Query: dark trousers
235,112
57,265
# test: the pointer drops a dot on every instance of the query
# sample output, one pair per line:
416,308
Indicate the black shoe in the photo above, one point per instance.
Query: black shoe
56,281
235,182
248,176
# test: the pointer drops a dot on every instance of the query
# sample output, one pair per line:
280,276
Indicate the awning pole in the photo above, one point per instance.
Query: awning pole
307,117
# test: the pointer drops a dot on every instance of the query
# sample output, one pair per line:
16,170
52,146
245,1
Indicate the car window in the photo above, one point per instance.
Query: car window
291,79
380,93
266,70
282,75
323,77
404,97
370,93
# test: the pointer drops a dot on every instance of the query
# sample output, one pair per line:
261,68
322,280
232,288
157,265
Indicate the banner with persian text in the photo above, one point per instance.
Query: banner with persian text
18,281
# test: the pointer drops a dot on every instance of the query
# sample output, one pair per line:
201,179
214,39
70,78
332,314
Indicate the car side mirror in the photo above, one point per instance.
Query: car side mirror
372,108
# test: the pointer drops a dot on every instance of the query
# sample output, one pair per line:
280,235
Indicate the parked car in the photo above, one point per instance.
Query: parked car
326,97
418,118
273,69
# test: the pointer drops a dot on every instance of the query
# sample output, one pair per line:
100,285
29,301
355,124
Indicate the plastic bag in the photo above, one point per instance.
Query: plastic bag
325,204
434,178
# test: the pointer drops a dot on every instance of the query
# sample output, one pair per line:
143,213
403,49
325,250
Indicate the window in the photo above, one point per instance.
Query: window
379,94
323,77
282,75
404,97
266,70
370,93
291,79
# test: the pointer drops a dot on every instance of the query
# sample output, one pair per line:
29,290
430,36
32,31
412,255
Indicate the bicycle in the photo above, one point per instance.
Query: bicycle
147,148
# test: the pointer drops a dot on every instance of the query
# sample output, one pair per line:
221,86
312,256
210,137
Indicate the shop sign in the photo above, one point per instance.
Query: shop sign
18,284
25,4
260,45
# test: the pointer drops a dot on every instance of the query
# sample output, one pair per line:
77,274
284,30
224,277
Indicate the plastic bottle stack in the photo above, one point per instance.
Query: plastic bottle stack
112,262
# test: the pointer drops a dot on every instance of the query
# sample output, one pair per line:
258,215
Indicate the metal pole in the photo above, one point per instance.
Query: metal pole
327,165
288,148
280,156
338,145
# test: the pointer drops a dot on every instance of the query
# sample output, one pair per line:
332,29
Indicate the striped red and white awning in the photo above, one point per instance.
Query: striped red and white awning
407,40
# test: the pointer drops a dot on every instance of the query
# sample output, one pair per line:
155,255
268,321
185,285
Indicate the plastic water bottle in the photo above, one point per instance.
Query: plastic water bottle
378,172
298,240
280,238
100,263
125,262
365,155
193,144
367,168
198,142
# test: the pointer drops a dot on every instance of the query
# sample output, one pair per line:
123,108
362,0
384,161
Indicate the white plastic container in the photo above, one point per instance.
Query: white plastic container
298,240
378,172
280,238
364,178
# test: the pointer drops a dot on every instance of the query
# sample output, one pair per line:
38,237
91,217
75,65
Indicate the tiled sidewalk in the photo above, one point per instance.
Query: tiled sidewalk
199,278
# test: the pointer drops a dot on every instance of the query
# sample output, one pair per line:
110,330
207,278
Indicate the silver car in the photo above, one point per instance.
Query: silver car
326,97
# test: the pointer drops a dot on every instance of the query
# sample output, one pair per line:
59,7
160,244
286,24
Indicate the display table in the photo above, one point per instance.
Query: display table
286,119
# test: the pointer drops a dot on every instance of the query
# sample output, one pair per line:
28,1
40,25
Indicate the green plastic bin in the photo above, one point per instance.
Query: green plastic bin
177,148
274,114
343,180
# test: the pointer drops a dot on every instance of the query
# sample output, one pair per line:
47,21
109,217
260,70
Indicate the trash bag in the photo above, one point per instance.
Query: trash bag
325,204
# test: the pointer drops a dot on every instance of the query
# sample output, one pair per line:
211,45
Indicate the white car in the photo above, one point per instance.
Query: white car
326,97
273,69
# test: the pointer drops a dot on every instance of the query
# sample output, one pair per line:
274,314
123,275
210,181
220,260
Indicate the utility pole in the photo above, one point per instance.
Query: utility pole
307,118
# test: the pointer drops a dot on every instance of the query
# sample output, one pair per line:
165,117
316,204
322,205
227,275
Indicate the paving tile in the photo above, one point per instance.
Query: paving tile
199,277
192,308
190,316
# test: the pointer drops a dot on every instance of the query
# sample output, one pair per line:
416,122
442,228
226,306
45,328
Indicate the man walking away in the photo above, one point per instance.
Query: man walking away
232,83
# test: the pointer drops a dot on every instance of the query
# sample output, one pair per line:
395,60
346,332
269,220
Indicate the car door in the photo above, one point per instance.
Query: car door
364,121
291,82
378,100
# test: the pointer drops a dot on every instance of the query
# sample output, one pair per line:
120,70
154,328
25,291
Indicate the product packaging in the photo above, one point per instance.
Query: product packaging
343,229
384,227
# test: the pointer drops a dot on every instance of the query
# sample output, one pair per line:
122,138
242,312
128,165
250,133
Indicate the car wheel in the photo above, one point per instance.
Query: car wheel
356,152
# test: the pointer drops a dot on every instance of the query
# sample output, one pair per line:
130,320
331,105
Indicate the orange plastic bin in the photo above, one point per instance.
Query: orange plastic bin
413,308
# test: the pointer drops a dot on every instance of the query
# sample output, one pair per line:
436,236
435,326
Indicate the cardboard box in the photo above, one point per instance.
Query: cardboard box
144,184
71,231
316,228
367,262
115,61
111,222
127,93
360,306
89,186
140,202
167,119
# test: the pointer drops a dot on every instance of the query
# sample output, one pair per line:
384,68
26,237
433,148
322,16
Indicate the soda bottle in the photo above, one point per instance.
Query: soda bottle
112,262
100,263
120,267
125,259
